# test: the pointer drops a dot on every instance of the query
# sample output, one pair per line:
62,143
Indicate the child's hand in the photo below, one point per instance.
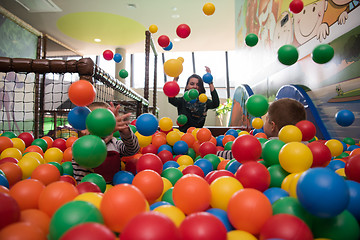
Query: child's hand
207,69
122,122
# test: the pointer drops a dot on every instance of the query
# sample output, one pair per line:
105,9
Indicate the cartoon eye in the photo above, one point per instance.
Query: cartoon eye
313,9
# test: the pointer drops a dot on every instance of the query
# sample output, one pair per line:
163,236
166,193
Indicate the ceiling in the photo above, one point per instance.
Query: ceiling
122,23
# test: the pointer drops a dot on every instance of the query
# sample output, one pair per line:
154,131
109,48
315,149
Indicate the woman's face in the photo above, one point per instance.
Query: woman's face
193,84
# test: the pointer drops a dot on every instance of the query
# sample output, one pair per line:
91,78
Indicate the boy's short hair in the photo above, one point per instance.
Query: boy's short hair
286,111
95,105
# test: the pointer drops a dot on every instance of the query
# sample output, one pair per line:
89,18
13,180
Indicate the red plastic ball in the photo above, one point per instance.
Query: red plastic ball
81,93
108,55
246,148
183,30
149,149
171,89
27,137
285,226
296,6
89,231
60,143
165,156
150,225
211,176
9,159
253,175
202,225
163,41
9,210
352,168
84,187
207,148
321,154
193,169
149,161
307,129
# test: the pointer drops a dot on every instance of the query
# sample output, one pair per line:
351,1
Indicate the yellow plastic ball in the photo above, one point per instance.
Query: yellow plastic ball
290,133
172,137
143,140
165,124
341,172
293,185
53,155
153,28
35,155
108,186
173,67
209,9
239,234
182,167
19,144
222,190
295,157
90,197
27,166
335,146
11,152
203,98
181,59
167,186
185,160
172,212
194,133
244,132
257,123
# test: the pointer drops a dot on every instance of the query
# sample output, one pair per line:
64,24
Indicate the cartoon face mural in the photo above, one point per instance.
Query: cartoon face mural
252,21
283,33
309,22
267,21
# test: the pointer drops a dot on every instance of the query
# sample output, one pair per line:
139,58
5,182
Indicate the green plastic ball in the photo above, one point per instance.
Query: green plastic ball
167,196
349,141
9,135
89,151
228,145
251,39
40,143
193,94
68,168
182,119
257,105
59,167
97,179
116,134
191,152
186,96
323,53
123,73
277,175
271,151
72,214
172,174
215,160
101,122
288,54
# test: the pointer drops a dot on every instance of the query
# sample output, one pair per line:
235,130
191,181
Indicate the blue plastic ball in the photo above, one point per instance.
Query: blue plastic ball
117,57
222,216
165,147
147,124
169,164
77,117
275,193
3,181
261,130
123,177
158,204
168,48
322,192
352,147
233,167
232,132
219,140
205,165
344,118
336,164
180,147
207,78
354,206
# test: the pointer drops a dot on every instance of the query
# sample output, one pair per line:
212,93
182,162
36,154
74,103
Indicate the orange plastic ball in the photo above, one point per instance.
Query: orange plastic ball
70,141
158,140
203,135
260,135
222,164
27,193
34,148
190,129
36,218
46,173
12,172
4,189
227,138
213,140
149,183
21,230
5,143
67,156
188,138
81,93
55,195
191,194
125,199
48,140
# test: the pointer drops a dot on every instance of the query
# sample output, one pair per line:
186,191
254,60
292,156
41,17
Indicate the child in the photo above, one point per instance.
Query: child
127,146
282,112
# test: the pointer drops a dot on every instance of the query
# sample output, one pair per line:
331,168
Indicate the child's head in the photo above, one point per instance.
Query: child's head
282,112
93,106
195,81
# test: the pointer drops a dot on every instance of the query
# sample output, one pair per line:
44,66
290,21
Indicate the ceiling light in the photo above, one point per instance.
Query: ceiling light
176,39
97,40
131,5
175,16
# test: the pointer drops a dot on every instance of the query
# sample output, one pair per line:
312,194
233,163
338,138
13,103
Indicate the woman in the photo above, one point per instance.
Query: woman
195,112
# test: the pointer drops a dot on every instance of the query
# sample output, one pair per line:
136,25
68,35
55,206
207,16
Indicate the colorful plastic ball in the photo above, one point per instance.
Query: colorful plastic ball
253,175
153,225
270,151
165,124
295,157
354,191
336,164
222,190
27,137
28,165
233,166
285,226
232,132
203,98
207,78
77,117
163,41
275,193
167,196
46,173
209,9
89,151
90,231
41,143
108,55
68,179
58,166
172,212
307,128
27,193
182,119
352,168
288,54
180,147
3,180
60,143
153,28
251,39
344,118
184,160
205,165
149,161
149,183
202,225
124,198
101,122
183,31
222,216
82,93
290,133
8,159
84,187
335,146
123,73
257,105
165,147
53,155
172,174
322,53
21,230
168,48
246,148
349,141
9,134
117,57
143,140
296,6
167,159
9,210
171,89
193,169
49,140
203,135
257,123
173,67
72,214
248,210
147,124
193,94
207,148
12,171
18,143
97,179
322,192
172,137
36,218
277,175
